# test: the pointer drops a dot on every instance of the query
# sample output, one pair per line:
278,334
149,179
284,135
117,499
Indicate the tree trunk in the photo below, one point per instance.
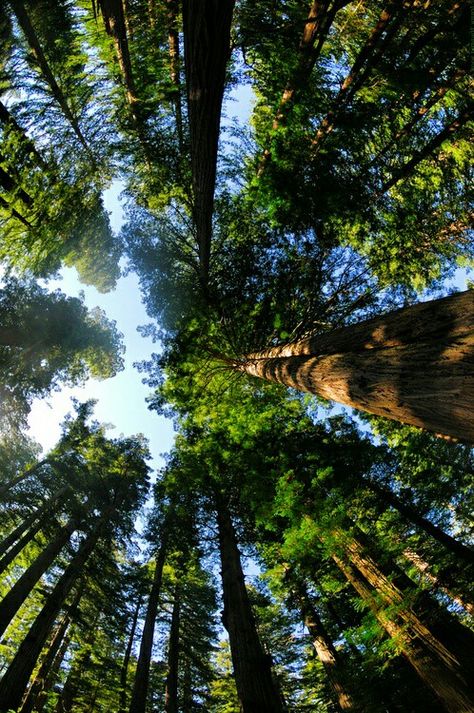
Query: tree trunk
15,536
206,27
22,588
9,120
12,553
173,42
441,581
324,647
171,687
114,21
414,365
33,41
39,684
52,675
256,688
10,185
142,674
15,680
5,487
15,214
445,665
409,512
126,658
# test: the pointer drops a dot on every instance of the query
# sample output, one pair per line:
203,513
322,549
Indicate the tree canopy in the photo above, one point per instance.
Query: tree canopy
307,543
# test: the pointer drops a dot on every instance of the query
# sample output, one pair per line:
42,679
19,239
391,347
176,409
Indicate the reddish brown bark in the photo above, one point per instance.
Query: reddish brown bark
415,365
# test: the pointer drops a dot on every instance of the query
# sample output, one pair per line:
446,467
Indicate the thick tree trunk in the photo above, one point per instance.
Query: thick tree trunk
441,655
15,680
35,46
22,588
10,185
126,658
206,25
256,688
415,365
142,674
114,21
409,512
171,687
14,537
324,648
40,682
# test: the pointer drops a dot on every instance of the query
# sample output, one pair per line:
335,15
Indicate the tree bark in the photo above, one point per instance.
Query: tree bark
256,688
39,684
15,679
440,581
22,588
126,658
171,686
142,674
444,663
409,513
206,26
414,365
324,647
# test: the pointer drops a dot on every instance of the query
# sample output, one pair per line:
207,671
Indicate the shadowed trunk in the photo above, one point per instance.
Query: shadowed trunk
175,62
171,687
15,680
52,675
126,658
409,513
323,646
14,213
142,674
442,581
441,652
206,26
415,365
13,600
9,184
256,688
9,120
39,685
32,469
14,537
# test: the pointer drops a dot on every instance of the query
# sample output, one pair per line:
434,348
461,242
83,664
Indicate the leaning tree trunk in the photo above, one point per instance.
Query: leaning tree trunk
142,674
15,680
126,658
414,365
324,647
13,600
14,551
206,29
461,551
171,686
39,684
256,688
15,535
52,675
440,654
5,335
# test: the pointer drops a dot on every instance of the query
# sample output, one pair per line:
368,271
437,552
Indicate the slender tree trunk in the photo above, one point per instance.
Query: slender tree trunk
9,121
35,46
52,675
10,185
175,63
15,214
444,664
114,21
256,688
12,553
126,658
441,581
171,687
415,365
15,536
5,487
79,664
324,647
206,25
22,588
15,680
142,674
461,551
39,684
